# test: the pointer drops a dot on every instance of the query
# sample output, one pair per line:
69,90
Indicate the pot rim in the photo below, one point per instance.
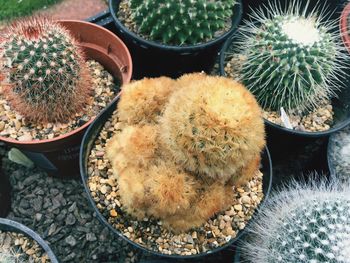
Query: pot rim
13,226
236,18
343,26
73,132
307,134
90,136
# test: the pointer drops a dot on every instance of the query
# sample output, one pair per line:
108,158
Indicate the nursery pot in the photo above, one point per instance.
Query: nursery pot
5,194
152,59
59,156
344,26
12,226
88,141
280,139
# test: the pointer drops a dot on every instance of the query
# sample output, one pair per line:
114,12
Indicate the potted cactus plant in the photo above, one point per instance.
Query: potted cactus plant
302,223
292,60
32,249
174,37
344,26
52,86
178,162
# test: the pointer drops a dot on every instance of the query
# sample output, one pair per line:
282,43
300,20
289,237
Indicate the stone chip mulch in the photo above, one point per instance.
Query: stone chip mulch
58,210
149,232
24,249
13,125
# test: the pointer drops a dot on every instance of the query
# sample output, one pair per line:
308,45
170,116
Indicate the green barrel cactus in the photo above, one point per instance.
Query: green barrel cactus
182,21
305,224
290,59
43,71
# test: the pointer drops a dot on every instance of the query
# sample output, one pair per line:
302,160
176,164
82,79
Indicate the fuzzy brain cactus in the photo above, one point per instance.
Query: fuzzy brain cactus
303,224
182,21
290,59
213,127
43,70
181,146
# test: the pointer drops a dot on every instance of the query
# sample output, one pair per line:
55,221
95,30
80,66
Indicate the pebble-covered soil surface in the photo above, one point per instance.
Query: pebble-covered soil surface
22,248
320,119
149,232
339,146
15,126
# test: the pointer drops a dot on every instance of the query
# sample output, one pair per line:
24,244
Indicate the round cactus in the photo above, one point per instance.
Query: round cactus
212,126
43,71
291,59
183,21
303,224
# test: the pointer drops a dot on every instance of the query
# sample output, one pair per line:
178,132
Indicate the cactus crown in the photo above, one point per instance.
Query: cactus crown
304,224
44,70
183,21
291,58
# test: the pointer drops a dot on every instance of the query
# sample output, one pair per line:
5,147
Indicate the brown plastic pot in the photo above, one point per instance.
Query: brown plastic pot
60,156
344,30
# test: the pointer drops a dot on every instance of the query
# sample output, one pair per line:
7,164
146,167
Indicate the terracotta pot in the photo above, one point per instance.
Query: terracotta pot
344,29
60,156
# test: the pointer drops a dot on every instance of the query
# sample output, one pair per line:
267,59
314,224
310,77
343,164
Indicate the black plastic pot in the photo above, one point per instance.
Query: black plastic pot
87,144
12,226
280,139
5,194
151,59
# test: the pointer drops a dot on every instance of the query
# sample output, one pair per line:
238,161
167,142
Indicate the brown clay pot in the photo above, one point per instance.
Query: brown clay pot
60,156
344,30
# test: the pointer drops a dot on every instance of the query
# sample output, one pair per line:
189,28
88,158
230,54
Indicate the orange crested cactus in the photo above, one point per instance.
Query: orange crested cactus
213,126
184,146
143,101
43,70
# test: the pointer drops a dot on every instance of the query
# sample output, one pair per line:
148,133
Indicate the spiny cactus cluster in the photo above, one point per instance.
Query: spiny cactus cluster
303,224
291,59
183,146
182,21
9,256
43,71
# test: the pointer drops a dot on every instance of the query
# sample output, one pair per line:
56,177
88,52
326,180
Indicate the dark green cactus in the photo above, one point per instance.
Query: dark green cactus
43,70
182,21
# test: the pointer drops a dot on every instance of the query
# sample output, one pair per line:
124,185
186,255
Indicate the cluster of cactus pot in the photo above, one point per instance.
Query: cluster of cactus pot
183,21
291,58
183,145
43,70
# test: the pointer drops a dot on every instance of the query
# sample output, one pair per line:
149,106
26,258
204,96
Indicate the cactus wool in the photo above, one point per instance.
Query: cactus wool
43,71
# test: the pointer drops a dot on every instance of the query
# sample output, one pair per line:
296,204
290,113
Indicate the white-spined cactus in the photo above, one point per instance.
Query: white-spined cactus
292,58
303,223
